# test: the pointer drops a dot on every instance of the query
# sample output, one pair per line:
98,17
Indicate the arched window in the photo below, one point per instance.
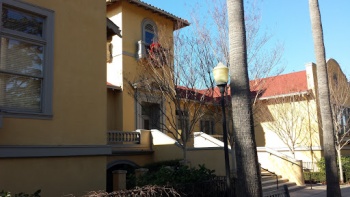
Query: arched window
149,30
149,35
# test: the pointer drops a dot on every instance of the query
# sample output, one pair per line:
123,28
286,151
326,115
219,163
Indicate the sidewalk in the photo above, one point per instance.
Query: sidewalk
318,191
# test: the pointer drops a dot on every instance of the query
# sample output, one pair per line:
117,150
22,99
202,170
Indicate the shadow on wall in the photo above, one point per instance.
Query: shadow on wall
259,135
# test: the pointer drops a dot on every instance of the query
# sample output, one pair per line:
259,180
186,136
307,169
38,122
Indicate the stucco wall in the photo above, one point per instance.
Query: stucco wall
79,90
79,110
213,158
129,18
54,176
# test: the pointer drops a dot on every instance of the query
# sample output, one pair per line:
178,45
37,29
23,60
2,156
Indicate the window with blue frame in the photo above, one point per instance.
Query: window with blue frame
26,49
149,30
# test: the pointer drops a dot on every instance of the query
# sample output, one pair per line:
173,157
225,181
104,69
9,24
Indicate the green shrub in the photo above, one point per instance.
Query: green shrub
153,167
345,164
170,176
315,177
321,175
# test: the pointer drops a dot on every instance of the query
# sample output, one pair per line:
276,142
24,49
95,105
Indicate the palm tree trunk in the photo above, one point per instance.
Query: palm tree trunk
333,188
248,182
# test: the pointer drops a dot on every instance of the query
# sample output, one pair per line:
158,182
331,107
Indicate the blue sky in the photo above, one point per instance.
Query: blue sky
289,22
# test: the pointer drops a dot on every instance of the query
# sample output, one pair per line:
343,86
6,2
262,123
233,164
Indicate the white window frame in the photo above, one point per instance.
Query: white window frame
140,98
143,47
47,42
146,22
211,125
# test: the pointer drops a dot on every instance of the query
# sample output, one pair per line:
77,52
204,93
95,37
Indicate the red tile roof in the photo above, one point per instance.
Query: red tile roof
290,83
295,82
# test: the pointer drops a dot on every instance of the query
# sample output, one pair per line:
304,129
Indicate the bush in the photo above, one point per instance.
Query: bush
170,176
320,177
345,164
156,166
315,177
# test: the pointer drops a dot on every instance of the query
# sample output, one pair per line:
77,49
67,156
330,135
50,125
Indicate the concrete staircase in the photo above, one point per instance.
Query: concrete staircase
269,182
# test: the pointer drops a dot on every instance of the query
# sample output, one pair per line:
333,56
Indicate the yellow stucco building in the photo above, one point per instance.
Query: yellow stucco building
287,114
64,130
53,98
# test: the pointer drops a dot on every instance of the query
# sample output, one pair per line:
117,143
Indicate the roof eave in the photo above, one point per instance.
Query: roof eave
113,87
111,27
178,22
306,92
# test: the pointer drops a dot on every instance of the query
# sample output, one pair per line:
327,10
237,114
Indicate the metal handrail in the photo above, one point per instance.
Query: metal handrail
272,174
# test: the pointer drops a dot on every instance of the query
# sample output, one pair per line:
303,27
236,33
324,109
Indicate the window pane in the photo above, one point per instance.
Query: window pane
21,57
22,21
149,37
149,27
17,92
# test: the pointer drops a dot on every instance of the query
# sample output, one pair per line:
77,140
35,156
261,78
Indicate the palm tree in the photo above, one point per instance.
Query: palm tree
249,181
333,188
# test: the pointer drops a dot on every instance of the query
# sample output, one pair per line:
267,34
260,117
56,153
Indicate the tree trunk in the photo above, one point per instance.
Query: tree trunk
293,152
333,188
248,182
341,180
185,152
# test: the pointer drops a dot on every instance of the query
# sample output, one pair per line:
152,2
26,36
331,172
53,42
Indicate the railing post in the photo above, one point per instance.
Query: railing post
286,191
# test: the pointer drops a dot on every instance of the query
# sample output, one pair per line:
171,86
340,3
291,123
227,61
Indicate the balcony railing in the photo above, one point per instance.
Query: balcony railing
124,137
130,142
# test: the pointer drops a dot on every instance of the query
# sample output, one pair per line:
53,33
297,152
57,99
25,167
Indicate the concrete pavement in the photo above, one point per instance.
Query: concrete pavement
319,190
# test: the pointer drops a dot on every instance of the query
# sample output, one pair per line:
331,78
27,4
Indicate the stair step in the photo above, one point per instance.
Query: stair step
268,182
274,187
274,182
266,178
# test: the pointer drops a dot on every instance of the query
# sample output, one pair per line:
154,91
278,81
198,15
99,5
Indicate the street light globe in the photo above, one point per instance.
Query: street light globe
220,73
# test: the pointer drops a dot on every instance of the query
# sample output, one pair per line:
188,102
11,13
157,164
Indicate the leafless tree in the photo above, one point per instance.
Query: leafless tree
171,73
339,88
264,56
291,119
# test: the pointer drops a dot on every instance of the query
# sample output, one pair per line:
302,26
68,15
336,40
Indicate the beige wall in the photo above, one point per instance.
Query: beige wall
213,158
79,109
278,112
264,135
79,90
54,176
270,112
129,18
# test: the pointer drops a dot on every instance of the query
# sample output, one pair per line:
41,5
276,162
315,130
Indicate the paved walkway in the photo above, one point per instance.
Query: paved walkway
319,191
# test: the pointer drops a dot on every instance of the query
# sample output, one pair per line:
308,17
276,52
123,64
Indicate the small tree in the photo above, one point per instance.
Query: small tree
290,118
339,88
174,73
264,56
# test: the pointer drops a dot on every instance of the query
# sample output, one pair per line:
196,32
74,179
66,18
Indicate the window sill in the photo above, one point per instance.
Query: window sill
30,115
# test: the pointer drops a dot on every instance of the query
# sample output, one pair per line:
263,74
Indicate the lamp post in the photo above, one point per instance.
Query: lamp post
220,73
